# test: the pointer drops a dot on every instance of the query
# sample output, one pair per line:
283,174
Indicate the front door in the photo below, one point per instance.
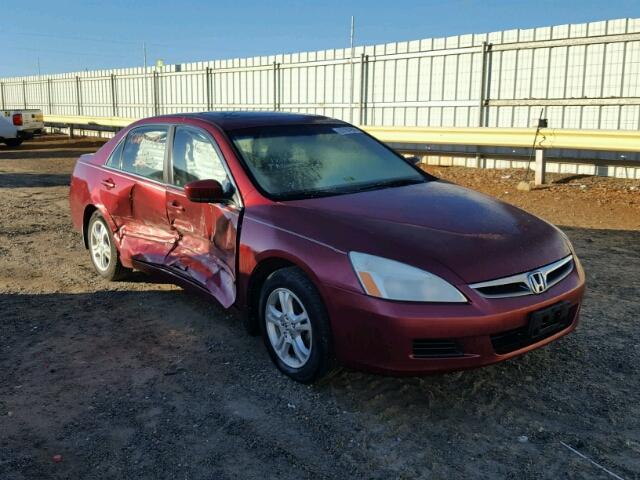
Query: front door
205,251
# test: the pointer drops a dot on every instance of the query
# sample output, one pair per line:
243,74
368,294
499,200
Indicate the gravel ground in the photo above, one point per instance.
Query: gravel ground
144,380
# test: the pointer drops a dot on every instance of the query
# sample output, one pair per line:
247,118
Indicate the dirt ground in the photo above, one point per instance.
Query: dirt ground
144,380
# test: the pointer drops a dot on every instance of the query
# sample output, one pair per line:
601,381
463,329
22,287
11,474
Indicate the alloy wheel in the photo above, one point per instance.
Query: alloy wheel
100,246
288,327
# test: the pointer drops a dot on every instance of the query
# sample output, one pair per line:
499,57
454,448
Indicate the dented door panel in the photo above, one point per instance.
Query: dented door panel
205,248
148,236
115,195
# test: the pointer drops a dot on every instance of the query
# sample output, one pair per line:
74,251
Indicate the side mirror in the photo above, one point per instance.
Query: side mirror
413,160
204,191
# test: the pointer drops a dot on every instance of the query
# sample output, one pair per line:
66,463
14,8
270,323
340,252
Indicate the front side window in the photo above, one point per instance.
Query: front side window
143,152
299,161
194,157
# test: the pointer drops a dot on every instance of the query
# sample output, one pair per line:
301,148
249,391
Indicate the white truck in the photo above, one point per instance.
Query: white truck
19,125
8,133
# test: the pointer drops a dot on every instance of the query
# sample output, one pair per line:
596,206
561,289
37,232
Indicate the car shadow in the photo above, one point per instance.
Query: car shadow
80,368
136,276
53,142
570,178
27,154
21,180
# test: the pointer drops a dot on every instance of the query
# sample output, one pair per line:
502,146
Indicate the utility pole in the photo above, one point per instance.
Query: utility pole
144,55
351,37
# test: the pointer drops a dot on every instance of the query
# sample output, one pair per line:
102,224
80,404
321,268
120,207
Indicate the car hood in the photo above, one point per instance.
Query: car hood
449,230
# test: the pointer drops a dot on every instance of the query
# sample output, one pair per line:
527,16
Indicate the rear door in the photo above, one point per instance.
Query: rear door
134,193
115,189
206,248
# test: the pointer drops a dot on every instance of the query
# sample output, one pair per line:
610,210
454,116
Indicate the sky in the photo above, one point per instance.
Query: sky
65,36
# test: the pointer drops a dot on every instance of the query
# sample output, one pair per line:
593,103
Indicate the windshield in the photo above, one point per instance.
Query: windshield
312,160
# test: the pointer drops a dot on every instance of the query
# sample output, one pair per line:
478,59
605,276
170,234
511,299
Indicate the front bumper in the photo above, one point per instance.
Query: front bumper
379,335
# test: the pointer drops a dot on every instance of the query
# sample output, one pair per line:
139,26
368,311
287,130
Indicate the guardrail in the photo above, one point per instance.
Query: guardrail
547,138
439,140
87,123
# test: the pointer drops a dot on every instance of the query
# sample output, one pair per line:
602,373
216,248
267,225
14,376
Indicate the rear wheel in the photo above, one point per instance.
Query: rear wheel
295,326
104,254
13,142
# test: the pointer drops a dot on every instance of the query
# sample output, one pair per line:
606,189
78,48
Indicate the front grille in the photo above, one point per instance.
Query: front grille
520,284
512,340
559,273
504,290
436,348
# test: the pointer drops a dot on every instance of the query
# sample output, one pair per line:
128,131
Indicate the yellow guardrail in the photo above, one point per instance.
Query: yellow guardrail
84,120
605,140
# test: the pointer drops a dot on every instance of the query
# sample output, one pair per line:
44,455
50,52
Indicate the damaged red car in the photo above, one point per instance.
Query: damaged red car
337,249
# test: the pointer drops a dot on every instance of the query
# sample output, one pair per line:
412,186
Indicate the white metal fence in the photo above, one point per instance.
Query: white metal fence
585,76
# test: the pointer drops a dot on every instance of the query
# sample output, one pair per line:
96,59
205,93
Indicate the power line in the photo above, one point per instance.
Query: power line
90,39
67,52
77,37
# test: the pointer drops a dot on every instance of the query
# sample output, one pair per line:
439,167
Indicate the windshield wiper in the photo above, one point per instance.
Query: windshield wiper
401,182
348,189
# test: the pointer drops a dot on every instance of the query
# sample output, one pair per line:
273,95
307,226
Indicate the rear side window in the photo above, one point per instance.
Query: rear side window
114,158
195,157
143,152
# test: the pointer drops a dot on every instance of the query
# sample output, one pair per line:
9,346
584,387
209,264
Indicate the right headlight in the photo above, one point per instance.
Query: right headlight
384,278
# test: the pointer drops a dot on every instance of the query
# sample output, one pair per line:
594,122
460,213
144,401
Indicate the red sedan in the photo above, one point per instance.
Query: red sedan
337,249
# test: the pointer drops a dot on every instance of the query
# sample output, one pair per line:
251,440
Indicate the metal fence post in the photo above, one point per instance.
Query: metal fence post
114,101
24,93
275,85
541,167
280,93
49,101
365,116
156,94
78,98
483,89
2,95
213,89
483,84
40,96
207,80
363,91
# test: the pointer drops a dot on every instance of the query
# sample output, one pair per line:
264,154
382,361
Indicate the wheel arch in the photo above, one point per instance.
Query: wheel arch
86,216
89,210
265,267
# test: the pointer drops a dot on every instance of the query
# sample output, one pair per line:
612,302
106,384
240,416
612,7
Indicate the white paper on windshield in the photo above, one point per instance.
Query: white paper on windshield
346,130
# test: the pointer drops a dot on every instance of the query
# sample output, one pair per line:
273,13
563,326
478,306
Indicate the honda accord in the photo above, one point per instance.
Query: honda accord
337,249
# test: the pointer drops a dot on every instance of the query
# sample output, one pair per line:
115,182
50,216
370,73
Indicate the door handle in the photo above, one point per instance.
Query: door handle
108,183
175,205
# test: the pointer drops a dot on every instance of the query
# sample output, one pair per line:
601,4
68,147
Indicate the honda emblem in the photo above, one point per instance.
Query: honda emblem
537,282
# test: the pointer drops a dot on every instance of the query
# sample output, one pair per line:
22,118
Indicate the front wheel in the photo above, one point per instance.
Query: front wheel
104,254
295,326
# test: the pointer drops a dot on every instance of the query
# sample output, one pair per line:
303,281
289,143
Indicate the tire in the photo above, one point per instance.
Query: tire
314,334
105,257
13,142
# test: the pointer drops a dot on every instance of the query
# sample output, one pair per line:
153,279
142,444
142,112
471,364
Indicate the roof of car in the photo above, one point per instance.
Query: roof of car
234,120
